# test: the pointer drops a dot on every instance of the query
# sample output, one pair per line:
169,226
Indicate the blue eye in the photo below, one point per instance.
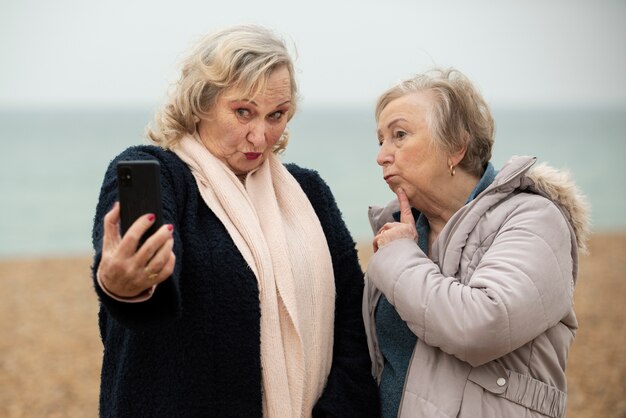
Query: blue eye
242,112
276,115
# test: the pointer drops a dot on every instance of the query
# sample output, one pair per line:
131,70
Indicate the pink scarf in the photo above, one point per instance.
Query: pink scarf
274,226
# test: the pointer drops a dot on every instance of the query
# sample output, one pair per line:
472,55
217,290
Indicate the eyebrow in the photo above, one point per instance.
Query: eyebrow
243,100
256,104
395,121
390,124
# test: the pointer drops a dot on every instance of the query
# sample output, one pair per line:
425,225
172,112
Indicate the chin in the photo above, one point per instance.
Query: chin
393,185
247,166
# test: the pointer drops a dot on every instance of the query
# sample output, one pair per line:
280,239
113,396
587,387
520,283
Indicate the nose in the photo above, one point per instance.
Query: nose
256,134
385,155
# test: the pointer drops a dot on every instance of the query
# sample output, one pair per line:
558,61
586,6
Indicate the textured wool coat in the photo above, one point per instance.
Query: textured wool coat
193,349
493,306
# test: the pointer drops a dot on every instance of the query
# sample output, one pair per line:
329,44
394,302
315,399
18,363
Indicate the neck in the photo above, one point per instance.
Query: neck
452,197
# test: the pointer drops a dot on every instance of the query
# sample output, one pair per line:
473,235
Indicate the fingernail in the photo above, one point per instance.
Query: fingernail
170,227
151,217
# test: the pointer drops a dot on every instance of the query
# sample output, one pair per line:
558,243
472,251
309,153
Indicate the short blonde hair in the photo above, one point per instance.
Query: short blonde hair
240,56
459,116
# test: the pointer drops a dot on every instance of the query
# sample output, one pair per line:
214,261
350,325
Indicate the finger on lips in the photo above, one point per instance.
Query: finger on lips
406,215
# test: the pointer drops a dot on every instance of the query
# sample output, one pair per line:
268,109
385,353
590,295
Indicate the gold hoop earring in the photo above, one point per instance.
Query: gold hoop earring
452,170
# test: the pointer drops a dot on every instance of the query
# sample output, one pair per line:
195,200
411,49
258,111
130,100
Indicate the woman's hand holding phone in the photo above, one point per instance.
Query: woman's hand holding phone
127,269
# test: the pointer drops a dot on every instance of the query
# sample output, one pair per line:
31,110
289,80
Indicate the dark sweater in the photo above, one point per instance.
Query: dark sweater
193,349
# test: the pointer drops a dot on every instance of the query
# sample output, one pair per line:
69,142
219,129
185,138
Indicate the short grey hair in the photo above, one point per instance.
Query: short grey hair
459,115
240,56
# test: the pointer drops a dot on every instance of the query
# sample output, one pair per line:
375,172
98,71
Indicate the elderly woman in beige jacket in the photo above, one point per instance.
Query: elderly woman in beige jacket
468,301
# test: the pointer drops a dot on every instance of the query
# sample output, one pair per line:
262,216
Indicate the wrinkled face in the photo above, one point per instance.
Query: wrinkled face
408,156
241,131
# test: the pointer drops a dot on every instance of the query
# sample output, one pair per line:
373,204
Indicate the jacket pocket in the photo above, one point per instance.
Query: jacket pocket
520,389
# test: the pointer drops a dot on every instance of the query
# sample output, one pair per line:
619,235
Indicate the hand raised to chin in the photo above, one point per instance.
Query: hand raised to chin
392,231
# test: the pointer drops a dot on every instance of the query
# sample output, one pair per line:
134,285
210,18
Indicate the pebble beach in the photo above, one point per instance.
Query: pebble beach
50,350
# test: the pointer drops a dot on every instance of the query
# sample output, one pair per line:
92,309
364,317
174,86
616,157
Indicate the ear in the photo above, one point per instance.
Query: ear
454,158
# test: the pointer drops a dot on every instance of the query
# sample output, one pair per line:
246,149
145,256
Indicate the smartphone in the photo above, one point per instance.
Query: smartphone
139,189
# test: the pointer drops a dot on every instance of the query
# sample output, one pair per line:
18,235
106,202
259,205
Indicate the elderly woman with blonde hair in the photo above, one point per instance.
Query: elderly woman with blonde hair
247,301
469,295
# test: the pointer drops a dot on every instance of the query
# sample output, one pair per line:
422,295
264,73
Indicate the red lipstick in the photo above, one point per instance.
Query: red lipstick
252,155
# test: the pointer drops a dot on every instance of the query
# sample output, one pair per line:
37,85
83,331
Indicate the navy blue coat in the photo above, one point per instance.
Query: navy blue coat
193,349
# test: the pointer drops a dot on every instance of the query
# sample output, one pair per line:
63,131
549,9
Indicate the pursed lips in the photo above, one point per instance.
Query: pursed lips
252,155
388,177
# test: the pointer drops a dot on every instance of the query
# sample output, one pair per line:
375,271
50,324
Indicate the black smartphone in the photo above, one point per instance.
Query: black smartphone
139,189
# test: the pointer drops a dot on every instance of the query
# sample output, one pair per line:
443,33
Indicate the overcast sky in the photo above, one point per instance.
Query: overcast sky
125,52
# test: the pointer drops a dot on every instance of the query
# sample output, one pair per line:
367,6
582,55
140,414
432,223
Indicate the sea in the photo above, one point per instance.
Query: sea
52,161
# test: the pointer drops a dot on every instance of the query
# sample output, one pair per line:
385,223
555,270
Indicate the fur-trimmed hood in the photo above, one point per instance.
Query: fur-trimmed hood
558,186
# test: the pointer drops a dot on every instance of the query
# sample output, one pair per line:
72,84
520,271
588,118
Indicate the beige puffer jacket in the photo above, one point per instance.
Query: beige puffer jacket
493,309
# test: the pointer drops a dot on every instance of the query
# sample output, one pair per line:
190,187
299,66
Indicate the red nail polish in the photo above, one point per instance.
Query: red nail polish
151,217
170,227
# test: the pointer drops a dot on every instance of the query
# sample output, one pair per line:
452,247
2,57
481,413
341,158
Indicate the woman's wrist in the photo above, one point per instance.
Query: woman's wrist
141,297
